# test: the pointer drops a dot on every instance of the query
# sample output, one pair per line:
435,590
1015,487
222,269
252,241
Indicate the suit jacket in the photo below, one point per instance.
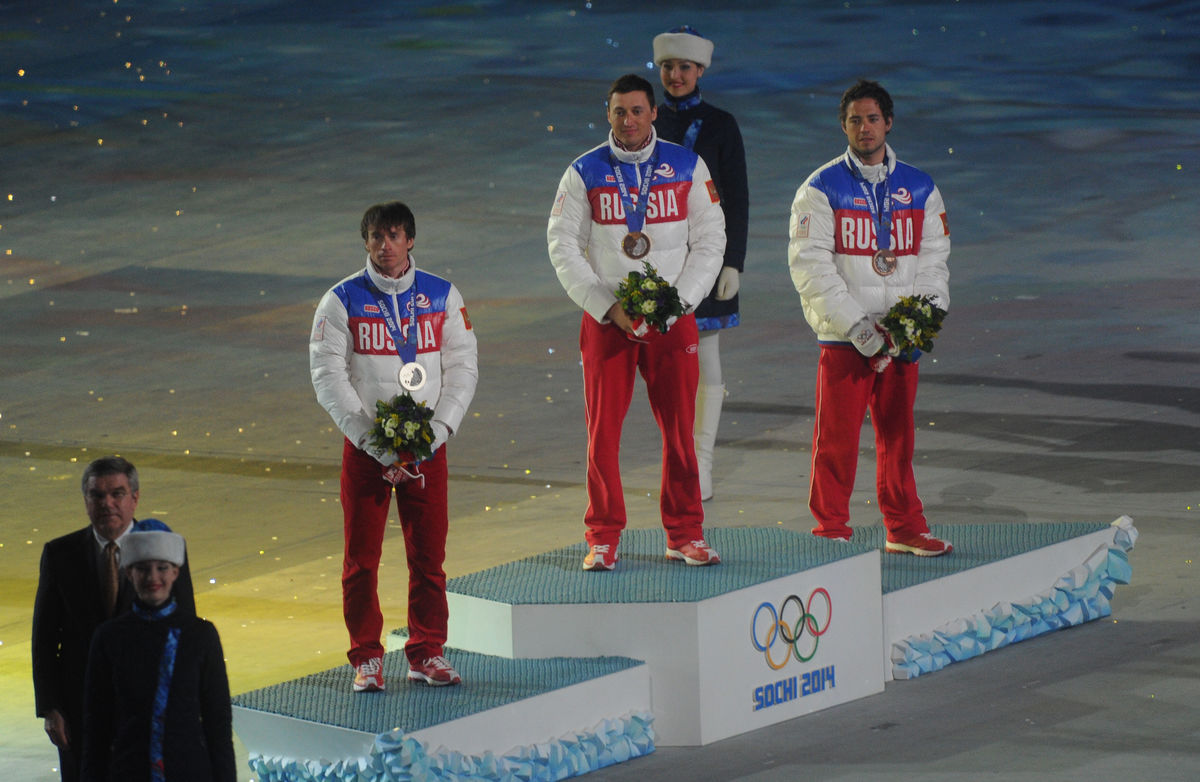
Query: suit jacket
66,613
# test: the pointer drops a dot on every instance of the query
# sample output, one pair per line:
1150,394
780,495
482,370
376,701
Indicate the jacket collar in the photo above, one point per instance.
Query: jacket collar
858,168
393,285
640,156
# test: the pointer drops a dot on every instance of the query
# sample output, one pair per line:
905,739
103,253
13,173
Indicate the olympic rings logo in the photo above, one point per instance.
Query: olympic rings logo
807,622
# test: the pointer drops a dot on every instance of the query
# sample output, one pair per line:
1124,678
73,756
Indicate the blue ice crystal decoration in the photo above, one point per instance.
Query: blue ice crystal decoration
1079,596
396,757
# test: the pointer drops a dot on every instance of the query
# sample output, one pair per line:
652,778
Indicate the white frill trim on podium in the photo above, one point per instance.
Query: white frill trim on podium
396,757
1079,596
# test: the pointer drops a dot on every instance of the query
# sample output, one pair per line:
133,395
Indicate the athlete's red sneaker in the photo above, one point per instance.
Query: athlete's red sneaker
923,545
601,557
696,552
368,676
434,671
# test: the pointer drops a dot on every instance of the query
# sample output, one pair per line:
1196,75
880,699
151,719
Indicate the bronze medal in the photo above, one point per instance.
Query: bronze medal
884,262
636,245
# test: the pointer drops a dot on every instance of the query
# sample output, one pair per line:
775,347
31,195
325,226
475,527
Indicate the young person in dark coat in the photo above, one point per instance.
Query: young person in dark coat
156,704
77,592
682,55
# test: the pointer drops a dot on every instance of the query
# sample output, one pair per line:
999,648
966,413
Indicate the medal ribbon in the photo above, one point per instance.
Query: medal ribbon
406,347
635,214
881,209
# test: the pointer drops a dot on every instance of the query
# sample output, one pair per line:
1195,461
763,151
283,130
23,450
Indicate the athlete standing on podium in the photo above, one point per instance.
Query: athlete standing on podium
386,329
866,230
630,200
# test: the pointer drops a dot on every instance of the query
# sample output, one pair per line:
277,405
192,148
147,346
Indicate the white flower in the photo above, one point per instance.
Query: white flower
649,306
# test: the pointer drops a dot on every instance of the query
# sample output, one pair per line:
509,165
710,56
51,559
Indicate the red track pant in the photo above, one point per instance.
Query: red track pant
424,518
846,388
668,364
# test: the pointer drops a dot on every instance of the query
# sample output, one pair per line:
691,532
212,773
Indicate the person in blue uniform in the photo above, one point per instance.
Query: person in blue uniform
156,702
684,117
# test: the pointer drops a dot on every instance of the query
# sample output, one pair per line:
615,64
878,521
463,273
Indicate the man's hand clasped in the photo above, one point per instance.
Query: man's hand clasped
875,343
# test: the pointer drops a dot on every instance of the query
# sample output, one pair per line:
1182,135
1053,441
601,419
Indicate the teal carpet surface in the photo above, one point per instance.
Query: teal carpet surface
488,683
749,556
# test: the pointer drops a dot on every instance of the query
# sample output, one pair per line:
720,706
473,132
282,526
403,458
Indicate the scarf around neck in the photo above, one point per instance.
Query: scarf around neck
166,668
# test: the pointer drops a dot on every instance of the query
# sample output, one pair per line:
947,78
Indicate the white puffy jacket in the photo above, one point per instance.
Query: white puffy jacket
353,360
684,222
832,241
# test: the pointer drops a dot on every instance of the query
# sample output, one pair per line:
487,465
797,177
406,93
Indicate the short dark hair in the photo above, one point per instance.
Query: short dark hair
110,465
866,89
631,82
389,215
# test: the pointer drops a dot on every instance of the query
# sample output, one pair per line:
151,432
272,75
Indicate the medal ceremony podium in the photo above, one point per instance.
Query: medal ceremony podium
567,671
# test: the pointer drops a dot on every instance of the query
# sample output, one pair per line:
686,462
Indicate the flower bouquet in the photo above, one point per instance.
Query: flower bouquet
911,324
649,299
403,425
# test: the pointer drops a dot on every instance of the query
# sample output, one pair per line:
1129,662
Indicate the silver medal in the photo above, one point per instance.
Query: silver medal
412,376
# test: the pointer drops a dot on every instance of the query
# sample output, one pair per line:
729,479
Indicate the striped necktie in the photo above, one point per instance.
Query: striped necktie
110,582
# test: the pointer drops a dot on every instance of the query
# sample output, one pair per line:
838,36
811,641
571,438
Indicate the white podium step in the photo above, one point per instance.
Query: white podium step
566,671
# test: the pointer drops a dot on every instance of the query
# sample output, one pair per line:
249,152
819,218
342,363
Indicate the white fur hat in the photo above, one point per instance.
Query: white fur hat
152,544
683,43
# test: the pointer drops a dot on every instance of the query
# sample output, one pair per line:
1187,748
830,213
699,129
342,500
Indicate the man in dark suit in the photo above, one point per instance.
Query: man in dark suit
78,589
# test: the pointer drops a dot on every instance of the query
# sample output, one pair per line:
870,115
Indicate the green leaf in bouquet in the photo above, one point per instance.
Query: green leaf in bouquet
647,296
403,425
913,322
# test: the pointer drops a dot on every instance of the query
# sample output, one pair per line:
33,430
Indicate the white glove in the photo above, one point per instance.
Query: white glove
441,433
385,456
865,337
728,282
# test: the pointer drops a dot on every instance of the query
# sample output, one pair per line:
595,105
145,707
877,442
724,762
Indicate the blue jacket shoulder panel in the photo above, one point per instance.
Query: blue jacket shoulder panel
674,164
841,187
357,293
